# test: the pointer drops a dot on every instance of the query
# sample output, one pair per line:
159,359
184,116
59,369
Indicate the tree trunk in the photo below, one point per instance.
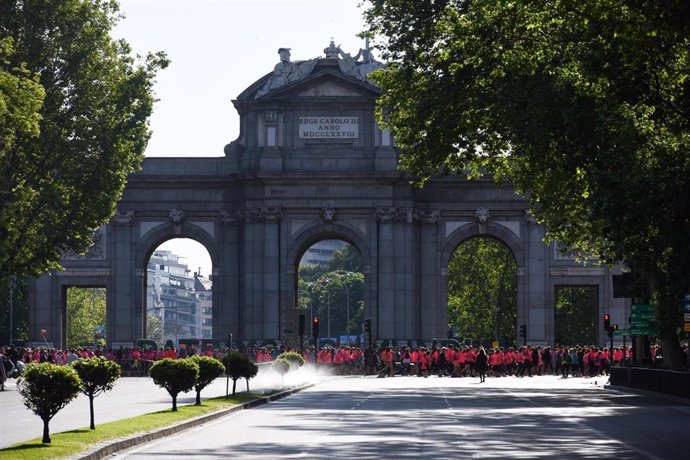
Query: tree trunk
174,409
93,426
247,385
227,385
46,431
234,384
198,398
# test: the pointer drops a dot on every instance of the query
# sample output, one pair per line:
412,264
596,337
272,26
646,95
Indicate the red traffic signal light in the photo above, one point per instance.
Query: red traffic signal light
607,322
315,326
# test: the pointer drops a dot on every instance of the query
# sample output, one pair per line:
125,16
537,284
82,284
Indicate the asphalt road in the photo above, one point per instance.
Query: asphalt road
401,417
131,396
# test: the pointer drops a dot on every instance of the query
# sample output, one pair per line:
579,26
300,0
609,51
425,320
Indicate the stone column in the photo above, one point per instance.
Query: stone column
226,277
128,296
430,279
385,315
535,280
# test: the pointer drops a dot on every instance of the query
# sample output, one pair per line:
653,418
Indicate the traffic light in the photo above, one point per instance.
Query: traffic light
315,326
523,331
367,325
300,325
607,322
612,329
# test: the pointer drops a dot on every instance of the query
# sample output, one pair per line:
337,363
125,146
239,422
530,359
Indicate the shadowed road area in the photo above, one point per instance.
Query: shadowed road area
442,418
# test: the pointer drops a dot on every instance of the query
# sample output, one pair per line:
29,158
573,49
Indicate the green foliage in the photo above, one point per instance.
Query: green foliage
482,290
209,369
46,388
175,375
331,292
238,366
154,328
74,110
20,310
97,375
85,311
576,313
295,359
582,105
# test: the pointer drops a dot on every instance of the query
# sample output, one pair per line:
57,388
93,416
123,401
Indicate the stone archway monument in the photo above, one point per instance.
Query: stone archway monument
311,163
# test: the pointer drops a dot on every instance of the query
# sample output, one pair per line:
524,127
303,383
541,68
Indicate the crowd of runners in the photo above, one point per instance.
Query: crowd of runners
468,361
449,361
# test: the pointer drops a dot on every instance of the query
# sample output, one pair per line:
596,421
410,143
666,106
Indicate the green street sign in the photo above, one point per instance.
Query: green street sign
641,324
635,331
620,332
639,307
637,316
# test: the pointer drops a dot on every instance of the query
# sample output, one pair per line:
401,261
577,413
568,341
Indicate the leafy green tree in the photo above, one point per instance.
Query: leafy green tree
332,292
20,309
295,359
346,259
85,312
21,99
209,369
154,328
97,375
175,375
74,125
238,366
482,290
582,105
46,388
576,312
250,371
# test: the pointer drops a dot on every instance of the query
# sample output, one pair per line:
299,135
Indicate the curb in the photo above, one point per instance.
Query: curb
648,393
111,447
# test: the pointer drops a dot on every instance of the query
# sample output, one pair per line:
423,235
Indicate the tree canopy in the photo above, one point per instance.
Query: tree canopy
74,110
482,291
583,105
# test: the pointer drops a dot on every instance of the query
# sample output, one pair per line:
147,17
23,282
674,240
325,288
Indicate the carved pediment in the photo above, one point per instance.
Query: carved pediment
329,89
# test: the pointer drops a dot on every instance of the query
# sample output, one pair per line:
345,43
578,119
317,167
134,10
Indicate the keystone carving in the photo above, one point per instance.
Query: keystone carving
177,216
482,215
327,214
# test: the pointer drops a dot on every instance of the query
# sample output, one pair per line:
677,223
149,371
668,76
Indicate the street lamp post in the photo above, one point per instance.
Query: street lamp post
328,306
347,294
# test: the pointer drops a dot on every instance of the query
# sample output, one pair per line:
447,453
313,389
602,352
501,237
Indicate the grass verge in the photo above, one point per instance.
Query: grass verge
69,443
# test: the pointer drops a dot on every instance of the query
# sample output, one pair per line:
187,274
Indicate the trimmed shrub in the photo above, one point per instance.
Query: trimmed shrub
209,369
46,389
175,375
97,375
238,366
295,359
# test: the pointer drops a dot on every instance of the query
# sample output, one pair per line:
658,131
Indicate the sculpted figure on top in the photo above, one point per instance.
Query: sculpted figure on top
287,71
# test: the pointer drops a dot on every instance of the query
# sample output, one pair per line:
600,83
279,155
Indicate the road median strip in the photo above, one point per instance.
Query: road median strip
65,447
112,447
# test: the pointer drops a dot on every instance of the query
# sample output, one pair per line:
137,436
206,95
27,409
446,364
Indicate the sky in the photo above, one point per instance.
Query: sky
217,49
